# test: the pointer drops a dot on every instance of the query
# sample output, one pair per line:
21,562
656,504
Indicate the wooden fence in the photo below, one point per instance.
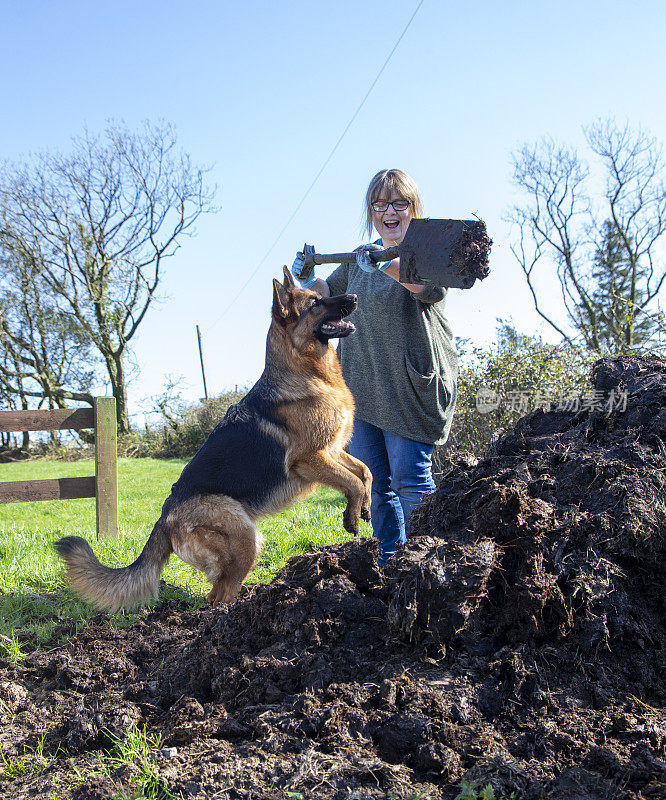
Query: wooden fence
103,485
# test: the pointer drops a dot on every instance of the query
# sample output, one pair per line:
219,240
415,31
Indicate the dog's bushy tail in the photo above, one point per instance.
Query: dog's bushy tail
110,589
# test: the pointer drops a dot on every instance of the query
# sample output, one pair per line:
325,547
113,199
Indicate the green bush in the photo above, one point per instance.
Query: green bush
183,429
499,384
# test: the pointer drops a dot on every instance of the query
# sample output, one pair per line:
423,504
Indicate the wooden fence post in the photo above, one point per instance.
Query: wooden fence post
106,466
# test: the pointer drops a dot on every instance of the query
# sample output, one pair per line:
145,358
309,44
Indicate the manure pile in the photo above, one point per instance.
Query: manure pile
518,639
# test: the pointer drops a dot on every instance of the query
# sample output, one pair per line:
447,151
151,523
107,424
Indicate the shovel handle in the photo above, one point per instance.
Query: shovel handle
348,258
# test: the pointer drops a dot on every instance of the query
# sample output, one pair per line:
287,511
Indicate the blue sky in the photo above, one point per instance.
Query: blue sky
262,91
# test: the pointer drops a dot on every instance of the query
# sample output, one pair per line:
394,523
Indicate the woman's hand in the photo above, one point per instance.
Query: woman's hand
390,268
303,267
365,262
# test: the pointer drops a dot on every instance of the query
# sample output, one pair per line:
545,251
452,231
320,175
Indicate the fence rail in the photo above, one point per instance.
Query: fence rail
59,419
103,486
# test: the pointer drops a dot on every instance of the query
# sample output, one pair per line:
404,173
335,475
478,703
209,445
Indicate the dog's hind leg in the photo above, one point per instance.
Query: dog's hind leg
218,537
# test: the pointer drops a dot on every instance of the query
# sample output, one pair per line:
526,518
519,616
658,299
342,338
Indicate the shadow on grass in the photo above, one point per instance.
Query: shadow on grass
31,620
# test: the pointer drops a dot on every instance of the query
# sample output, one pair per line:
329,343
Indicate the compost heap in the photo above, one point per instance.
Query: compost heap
518,640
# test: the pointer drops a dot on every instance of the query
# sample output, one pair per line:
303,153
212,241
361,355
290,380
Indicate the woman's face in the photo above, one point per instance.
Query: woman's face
391,225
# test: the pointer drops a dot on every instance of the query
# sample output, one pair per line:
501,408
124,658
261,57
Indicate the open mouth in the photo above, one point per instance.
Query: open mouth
392,224
333,326
336,328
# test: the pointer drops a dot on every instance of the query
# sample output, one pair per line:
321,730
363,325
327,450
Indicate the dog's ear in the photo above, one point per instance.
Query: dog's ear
280,301
288,277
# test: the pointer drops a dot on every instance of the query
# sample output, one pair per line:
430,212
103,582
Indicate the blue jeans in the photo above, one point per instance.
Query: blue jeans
401,474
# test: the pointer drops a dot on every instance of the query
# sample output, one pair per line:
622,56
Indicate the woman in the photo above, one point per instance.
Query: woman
400,365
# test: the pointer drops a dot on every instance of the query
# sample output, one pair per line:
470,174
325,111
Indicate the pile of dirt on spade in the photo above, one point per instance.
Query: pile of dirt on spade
519,640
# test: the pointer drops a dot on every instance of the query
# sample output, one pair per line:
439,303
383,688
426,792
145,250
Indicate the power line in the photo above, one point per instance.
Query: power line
323,167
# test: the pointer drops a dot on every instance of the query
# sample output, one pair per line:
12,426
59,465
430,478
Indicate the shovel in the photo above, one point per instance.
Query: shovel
451,253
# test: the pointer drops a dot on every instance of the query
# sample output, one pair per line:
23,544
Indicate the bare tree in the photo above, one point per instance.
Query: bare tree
47,354
44,353
11,396
95,226
601,237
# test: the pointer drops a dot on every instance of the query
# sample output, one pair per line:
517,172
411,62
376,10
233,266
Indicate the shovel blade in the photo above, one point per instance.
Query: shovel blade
452,253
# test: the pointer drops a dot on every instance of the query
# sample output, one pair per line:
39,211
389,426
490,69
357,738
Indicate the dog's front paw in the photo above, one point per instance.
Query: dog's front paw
350,522
365,514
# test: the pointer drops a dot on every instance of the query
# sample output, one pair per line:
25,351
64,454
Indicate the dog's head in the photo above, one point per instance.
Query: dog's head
308,316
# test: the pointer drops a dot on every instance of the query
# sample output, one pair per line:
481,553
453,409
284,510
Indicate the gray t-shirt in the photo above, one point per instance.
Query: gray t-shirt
400,364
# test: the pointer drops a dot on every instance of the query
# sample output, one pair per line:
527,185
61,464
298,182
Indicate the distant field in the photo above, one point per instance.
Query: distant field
29,567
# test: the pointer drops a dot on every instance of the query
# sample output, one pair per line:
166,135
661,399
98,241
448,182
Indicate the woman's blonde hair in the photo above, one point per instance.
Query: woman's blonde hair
385,182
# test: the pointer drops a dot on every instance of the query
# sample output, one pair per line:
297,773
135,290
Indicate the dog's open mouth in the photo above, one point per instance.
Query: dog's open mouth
336,328
333,325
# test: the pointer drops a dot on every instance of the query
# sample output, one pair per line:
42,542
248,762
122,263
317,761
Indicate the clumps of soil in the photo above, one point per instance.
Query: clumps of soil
519,639
472,252
452,253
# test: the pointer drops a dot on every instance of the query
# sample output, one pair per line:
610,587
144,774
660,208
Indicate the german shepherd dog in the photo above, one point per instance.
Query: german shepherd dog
286,436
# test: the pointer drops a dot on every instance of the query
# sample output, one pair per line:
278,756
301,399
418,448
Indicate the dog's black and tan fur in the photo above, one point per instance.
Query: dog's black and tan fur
286,436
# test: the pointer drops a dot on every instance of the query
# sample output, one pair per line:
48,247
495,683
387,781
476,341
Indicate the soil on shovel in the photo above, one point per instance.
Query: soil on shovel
518,640
472,255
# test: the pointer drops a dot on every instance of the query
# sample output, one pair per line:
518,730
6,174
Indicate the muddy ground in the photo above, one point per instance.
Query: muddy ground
519,639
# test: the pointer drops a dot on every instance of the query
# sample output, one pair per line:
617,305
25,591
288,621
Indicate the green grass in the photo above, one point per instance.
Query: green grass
32,760
33,599
138,748
472,791
140,751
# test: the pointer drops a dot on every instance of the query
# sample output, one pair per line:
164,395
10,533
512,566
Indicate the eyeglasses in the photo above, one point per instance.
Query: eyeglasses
382,205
